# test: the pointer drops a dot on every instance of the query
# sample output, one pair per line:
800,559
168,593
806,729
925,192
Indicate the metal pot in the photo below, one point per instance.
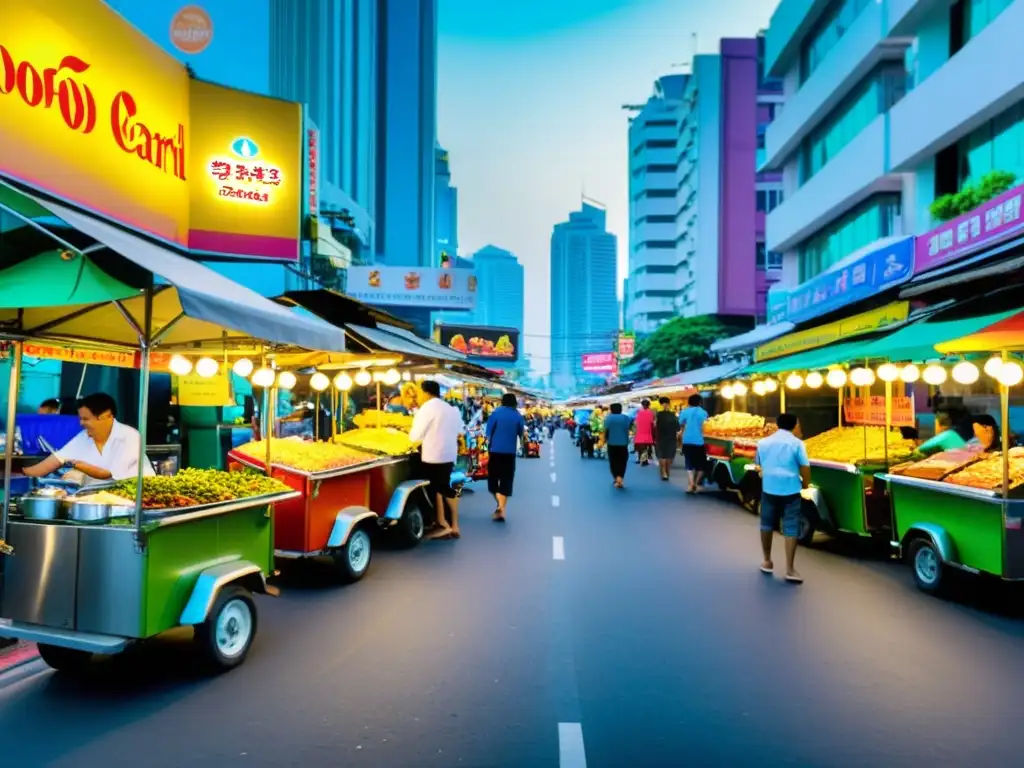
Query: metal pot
89,512
42,504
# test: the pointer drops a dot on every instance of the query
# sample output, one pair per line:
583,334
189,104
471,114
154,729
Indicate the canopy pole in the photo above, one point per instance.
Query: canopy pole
379,410
782,397
268,422
316,420
840,393
888,418
1004,416
12,412
144,367
344,410
334,413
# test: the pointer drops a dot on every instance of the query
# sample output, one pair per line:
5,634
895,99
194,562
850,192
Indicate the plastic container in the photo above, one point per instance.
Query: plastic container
56,430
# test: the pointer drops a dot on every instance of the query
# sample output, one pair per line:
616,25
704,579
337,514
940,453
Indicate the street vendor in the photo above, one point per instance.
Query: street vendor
105,449
986,434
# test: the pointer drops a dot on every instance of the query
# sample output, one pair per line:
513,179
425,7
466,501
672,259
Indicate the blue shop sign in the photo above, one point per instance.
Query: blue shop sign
870,274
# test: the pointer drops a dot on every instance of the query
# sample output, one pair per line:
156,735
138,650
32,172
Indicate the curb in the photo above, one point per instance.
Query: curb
17,655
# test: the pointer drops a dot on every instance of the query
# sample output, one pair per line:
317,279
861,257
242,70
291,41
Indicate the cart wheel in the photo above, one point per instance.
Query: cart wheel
228,632
64,659
411,525
929,572
807,528
353,559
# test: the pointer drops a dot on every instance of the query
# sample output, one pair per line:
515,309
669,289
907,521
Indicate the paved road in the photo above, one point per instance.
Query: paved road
631,624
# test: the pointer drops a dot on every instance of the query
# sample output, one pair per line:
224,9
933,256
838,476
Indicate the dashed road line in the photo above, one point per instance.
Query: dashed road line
557,548
571,753
553,476
555,501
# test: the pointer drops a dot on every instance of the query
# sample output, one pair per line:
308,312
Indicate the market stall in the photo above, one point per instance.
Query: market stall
90,574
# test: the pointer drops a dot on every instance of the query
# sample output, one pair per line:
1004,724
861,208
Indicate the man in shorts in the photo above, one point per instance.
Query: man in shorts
694,453
437,426
505,428
785,471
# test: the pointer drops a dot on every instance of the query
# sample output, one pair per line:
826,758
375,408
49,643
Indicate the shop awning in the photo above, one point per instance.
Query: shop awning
338,309
753,338
1004,334
822,357
403,342
930,339
191,302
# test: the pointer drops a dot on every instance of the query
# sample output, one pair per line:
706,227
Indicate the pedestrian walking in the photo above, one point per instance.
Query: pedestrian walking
505,427
785,471
692,420
644,437
666,436
437,426
615,438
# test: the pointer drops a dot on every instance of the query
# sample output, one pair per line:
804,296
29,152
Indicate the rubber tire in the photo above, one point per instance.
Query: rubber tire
206,633
412,525
67,660
937,586
342,561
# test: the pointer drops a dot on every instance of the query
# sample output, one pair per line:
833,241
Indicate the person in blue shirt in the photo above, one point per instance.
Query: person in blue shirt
505,427
692,420
615,437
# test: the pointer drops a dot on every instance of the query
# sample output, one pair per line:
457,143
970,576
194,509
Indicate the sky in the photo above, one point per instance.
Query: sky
529,107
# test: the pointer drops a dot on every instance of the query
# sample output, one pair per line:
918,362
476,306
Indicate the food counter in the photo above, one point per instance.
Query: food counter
731,440
342,494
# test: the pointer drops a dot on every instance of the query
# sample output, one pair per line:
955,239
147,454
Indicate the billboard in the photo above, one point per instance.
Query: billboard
626,345
480,342
426,287
600,362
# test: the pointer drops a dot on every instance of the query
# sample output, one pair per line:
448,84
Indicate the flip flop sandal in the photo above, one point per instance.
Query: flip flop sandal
499,519
442,535
455,535
766,569
795,579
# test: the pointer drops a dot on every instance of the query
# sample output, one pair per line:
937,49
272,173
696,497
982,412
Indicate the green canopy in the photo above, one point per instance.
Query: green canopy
916,343
49,280
822,357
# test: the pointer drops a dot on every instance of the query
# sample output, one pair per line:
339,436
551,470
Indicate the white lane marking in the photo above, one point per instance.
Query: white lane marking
558,548
555,501
571,753
553,476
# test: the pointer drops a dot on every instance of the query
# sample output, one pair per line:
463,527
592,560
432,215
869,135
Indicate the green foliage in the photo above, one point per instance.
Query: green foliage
686,339
970,197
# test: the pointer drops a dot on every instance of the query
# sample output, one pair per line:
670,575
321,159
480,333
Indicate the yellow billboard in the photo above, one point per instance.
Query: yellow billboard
93,112
865,322
245,173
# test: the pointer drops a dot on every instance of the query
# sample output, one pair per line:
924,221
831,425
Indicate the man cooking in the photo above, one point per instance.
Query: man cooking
105,449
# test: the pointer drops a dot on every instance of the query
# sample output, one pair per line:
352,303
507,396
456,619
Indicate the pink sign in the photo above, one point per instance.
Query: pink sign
985,225
600,362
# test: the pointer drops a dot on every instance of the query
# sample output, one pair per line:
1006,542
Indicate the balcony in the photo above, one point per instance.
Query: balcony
858,51
968,90
646,232
789,24
641,283
851,176
654,206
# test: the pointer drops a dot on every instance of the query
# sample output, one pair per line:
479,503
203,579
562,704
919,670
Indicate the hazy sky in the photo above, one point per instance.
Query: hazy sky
529,107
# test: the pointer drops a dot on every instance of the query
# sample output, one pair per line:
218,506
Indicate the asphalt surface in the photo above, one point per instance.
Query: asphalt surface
653,641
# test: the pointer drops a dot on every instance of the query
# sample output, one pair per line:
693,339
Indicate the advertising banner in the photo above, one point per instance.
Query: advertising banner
988,224
858,280
865,322
159,361
871,411
481,342
116,127
205,390
600,362
778,304
427,287
627,346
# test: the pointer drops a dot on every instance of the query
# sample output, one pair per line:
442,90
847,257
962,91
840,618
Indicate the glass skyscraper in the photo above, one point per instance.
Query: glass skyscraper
584,304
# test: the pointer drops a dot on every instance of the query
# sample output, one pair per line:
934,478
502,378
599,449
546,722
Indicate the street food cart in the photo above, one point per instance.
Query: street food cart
87,578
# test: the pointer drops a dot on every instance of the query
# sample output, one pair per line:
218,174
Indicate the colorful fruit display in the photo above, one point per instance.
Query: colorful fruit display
381,442
192,487
305,456
733,424
375,418
938,466
859,445
987,473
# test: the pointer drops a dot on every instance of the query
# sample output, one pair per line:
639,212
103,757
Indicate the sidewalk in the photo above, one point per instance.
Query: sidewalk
12,656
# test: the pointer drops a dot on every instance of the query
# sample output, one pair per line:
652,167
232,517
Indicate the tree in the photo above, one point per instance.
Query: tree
683,344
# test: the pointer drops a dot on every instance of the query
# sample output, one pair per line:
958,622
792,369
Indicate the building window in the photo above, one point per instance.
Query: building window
978,14
661,168
657,244
659,123
875,95
768,200
656,269
659,193
875,218
766,259
655,219
834,23
660,143
997,145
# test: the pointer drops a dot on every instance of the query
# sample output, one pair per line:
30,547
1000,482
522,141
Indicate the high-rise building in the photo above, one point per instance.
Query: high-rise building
446,210
406,131
584,303
500,289
652,216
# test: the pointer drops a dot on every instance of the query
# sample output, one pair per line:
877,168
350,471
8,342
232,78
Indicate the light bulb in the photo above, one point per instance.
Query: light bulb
862,377
965,373
992,366
794,381
343,382
727,392
888,372
814,380
207,367
392,377
242,367
286,380
318,382
934,375
739,388
406,376
758,388
1010,374
363,378
770,385
264,377
910,374
836,378
180,366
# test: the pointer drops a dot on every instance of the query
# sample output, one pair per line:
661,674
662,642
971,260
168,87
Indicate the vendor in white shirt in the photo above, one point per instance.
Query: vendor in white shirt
105,449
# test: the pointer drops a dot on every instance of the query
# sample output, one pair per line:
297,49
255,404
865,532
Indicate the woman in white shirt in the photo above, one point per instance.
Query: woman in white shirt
105,449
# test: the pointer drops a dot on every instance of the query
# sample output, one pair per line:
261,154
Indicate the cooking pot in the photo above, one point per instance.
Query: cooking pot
42,504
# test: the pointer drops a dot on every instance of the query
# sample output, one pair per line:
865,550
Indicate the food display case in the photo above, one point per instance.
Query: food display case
731,441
